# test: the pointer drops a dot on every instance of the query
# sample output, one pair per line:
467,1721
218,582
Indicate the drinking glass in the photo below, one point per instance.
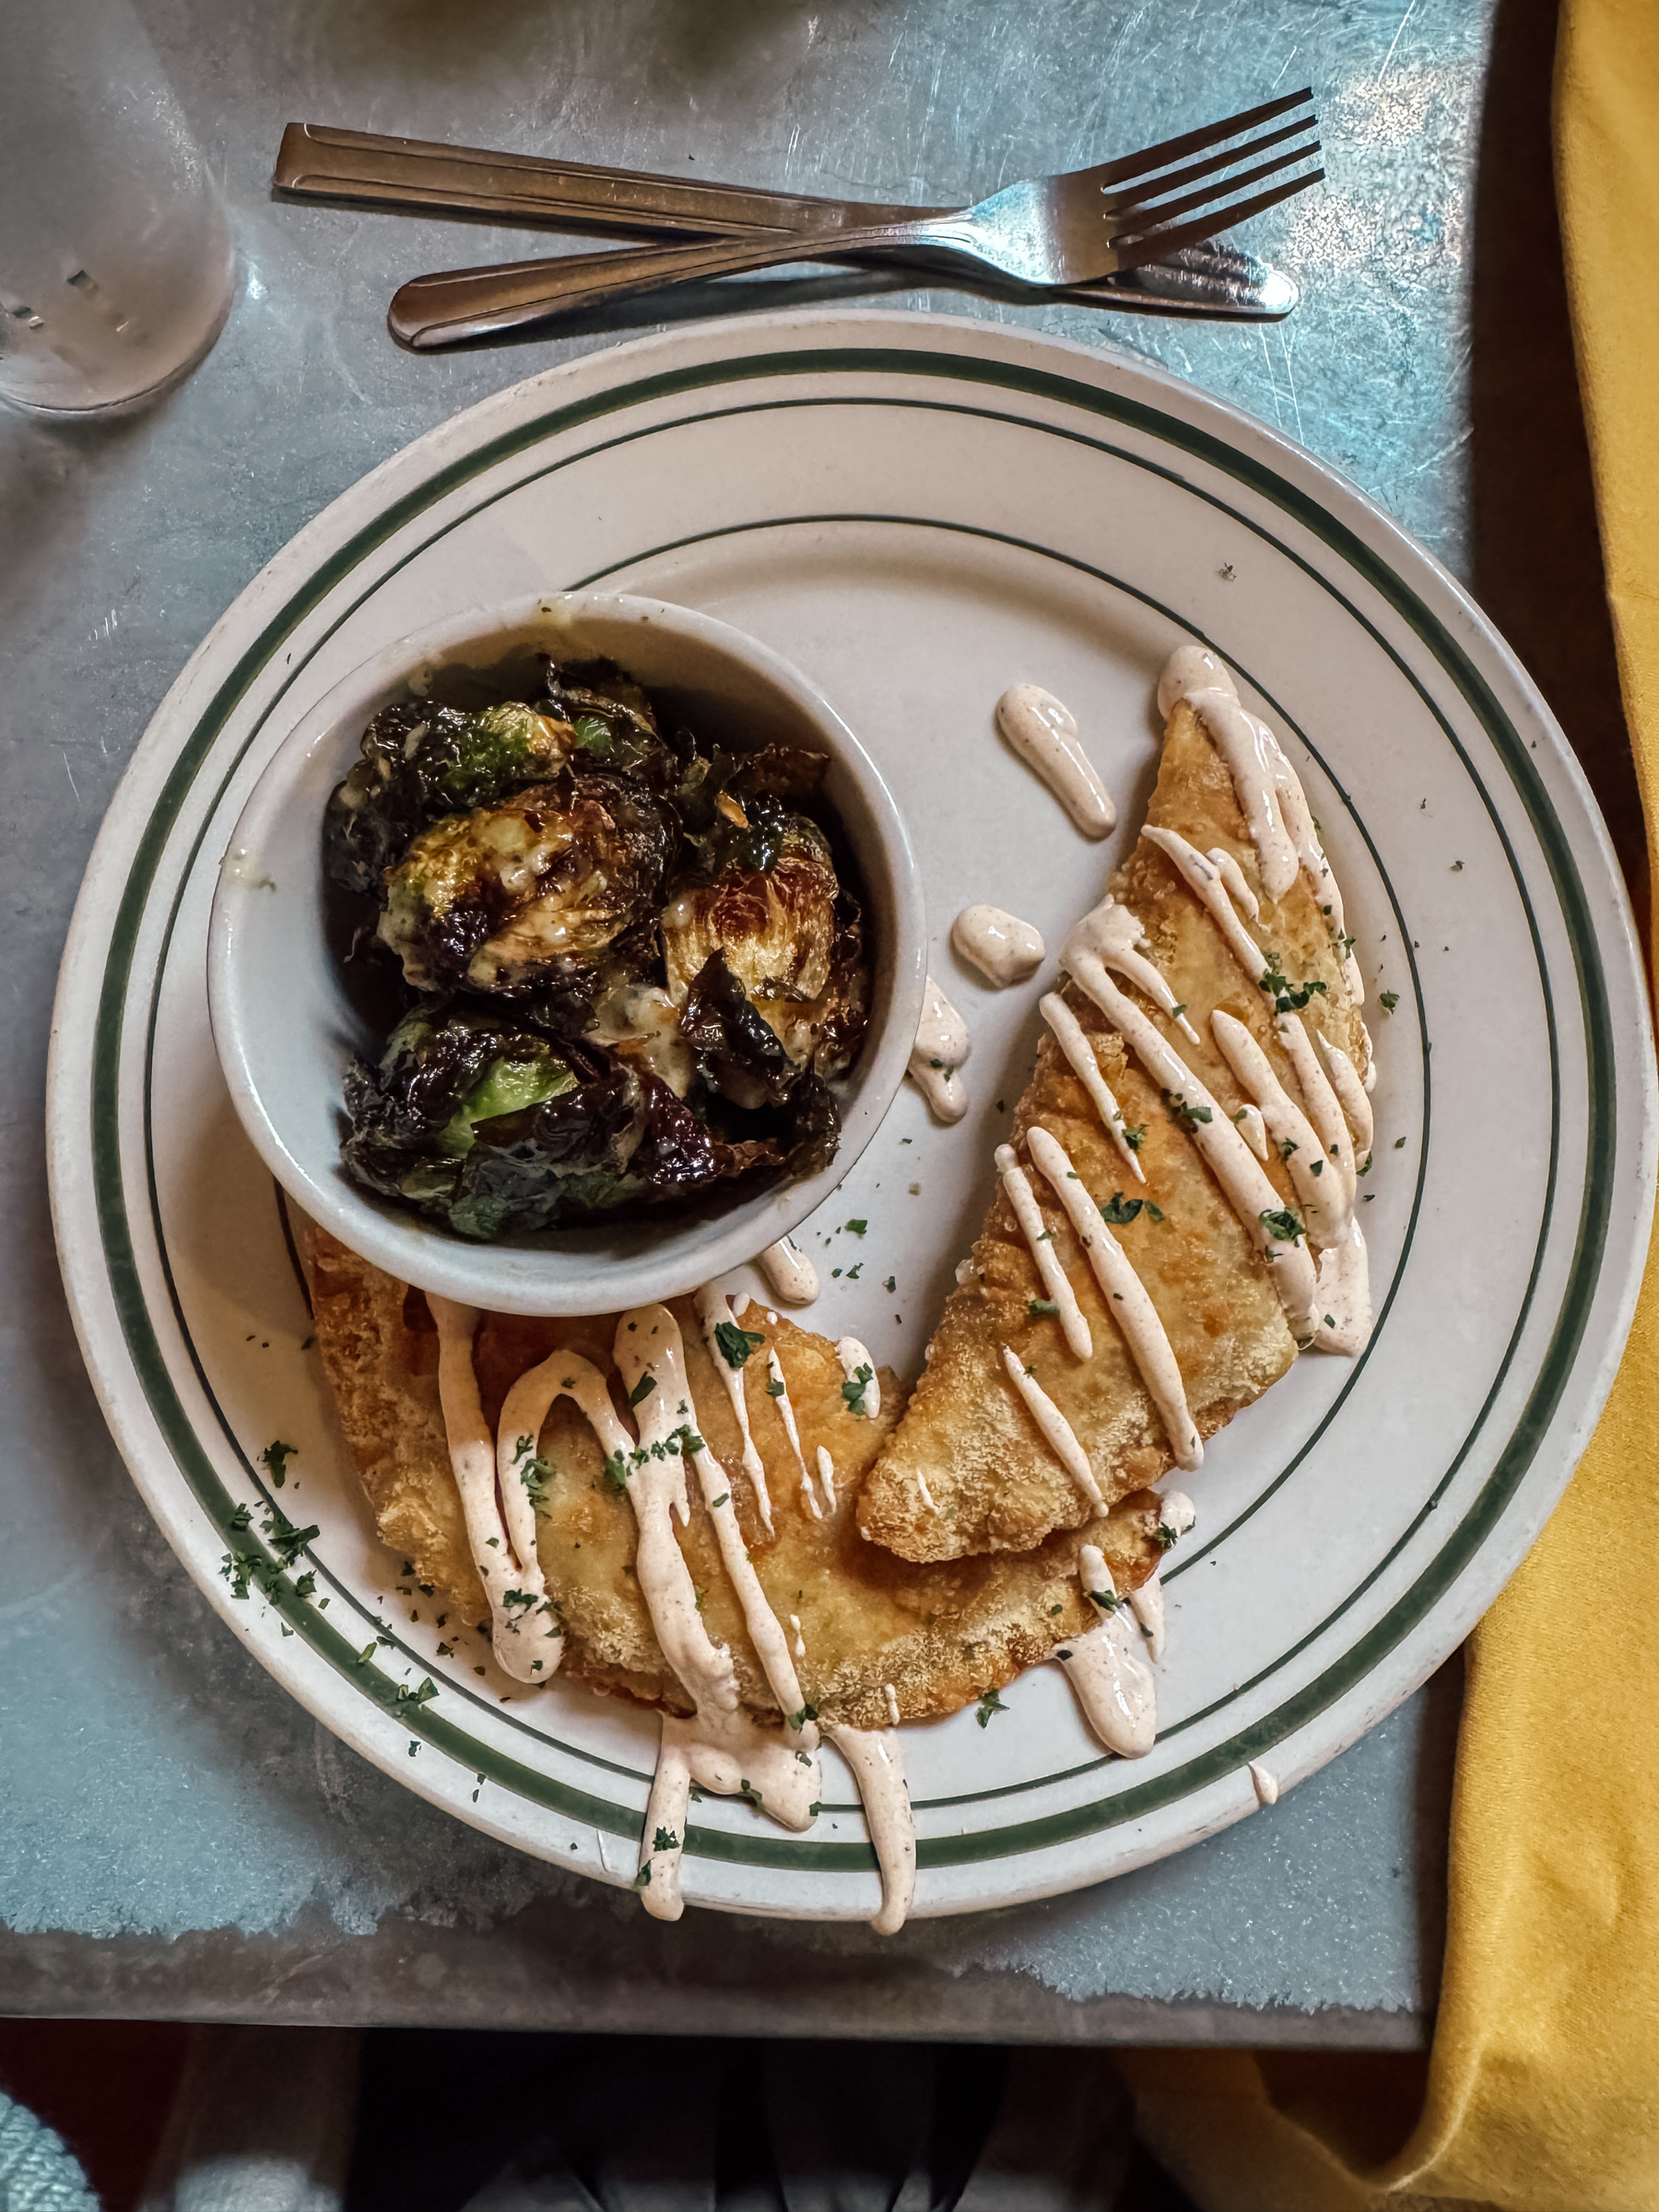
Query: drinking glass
115,263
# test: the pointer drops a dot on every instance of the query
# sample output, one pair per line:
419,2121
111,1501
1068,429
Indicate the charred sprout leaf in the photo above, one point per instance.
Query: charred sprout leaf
738,1052
612,719
530,893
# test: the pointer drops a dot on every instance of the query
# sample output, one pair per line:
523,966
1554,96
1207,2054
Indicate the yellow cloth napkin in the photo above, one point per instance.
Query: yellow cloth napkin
1542,2091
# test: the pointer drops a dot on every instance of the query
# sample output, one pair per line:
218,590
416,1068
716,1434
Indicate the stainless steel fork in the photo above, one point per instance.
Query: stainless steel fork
1049,232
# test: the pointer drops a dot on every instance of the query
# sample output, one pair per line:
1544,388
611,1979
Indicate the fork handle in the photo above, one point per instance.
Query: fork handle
451,305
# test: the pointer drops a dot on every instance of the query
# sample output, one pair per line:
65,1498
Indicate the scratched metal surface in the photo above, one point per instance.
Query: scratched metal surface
178,1838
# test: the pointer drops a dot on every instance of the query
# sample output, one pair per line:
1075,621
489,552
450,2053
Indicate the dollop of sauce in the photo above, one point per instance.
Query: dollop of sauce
1040,1242
1112,1682
1265,1782
1058,1432
854,1356
1044,733
1254,1129
792,1274
1109,935
525,1634
1003,949
1073,1040
941,1048
1125,1297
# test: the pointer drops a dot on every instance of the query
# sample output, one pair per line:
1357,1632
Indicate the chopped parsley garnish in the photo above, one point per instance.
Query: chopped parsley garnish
1283,1224
1176,1012
1108,1600
735,1343
535,1474
642,1388
719,1501
746,1788
1041,1308
617,1471
890,1285
1187,1117
664,1840
1330,1321
1054,1609
853,1388
275,1459
1155,1213
989,1704
1166,1536
1287,996
1367,1168
642,1879
1390,1000
1287,1145
1134,1139
797,1721
776,1387
1316,1167
1399,1144
1119,1209
1456,867
858,1228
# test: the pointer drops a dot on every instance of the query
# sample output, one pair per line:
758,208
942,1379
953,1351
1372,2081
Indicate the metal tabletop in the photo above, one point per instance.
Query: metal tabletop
178,1839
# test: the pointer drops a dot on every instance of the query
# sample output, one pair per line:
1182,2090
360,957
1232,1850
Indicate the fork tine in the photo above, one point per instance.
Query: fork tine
1175,178
1195,142
1157,245
1134,217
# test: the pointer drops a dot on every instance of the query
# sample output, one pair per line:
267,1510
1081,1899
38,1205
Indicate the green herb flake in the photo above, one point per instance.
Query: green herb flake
989,1704
853,1388
275,1459
1185,1115
664,1840
858,1228
1119,1210
1282,1225
1041,1308
776,1387
719,1502
1399,1144
1155,1213
1389,1000
1287,1145
1134,1139
735,1343
643,1389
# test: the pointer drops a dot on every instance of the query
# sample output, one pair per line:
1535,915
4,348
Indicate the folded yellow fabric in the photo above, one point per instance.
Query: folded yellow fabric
1542,2091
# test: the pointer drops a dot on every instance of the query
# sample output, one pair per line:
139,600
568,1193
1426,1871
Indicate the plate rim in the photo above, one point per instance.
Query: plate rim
711,346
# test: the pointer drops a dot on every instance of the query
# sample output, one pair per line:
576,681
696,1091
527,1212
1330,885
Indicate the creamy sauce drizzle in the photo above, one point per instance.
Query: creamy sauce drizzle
1073,1040
1108,935
891,1697
792,1274
711,1310
853,1355
879,1769
1044,733
779,1394
721,1749
826,1474
1232,876
800,1640
942,1046
1350,1092
1235,1167
1041,1243
1112,1682
1209,887
1125,1297
1003,949
1265,1782
1148,1607
1269,791
1321,1175
525,1635
1056,1429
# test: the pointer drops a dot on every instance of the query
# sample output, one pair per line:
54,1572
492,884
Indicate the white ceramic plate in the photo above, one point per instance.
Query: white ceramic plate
917,512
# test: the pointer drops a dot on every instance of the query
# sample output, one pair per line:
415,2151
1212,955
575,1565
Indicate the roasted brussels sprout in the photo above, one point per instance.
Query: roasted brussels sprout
531,892
421,763
612,718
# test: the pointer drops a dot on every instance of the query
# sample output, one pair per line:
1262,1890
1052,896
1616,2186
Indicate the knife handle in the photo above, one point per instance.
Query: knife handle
318,161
